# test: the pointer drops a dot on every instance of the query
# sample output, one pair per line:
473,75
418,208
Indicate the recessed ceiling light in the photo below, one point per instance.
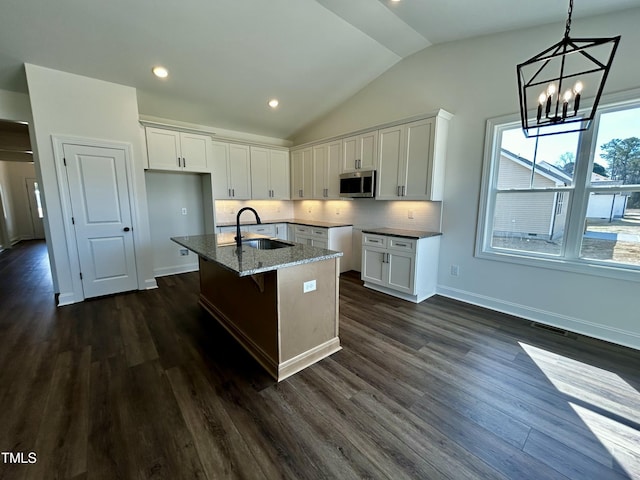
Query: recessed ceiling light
273,103
160,72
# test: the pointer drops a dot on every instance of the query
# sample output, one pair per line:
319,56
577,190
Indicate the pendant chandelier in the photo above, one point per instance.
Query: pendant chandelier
560,88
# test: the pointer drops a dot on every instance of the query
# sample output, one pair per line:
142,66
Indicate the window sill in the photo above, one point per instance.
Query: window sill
583,267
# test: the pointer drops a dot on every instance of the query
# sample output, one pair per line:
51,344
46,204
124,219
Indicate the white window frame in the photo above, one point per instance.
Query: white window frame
575,204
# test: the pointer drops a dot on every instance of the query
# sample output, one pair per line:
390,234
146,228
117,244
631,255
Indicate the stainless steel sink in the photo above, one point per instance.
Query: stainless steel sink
265,243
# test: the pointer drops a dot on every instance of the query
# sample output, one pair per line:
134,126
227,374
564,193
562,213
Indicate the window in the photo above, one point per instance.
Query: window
569,201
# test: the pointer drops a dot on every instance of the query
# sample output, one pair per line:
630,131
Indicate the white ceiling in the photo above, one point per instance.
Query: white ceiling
229,57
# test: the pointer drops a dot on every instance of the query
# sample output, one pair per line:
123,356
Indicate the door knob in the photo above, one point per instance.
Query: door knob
126,229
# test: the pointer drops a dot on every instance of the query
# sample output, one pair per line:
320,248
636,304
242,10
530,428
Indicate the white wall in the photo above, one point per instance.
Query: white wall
476,80
168,193
71,105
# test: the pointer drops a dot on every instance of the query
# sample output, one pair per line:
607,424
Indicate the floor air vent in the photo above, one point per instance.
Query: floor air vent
549,328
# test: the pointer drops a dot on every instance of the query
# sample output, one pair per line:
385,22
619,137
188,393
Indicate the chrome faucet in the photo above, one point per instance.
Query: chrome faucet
238,234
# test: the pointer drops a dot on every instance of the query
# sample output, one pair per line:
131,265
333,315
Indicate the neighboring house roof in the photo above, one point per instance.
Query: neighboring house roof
543,168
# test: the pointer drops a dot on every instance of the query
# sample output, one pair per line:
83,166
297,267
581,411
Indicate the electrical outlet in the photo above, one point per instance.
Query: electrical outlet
184,252
309,286
455,270
184,211
410,214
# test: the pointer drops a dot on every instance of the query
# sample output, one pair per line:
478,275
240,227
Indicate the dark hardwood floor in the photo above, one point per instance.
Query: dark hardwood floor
146,385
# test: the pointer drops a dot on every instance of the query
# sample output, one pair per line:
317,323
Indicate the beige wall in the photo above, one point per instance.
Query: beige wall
476,80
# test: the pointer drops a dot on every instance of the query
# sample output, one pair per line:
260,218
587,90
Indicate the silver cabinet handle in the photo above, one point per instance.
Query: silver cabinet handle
398,192
403,187
229,192
179,164
184,162
401,244
300,193
233,192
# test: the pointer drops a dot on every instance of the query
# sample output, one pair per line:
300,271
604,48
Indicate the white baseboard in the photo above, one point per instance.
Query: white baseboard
573,324
68,298
150,284
175,270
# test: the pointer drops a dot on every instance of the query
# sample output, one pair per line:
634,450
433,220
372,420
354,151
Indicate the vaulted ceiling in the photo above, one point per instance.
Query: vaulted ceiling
227,58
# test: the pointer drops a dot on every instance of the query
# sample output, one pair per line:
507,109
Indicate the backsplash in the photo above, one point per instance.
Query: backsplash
365,213
226,210
368,213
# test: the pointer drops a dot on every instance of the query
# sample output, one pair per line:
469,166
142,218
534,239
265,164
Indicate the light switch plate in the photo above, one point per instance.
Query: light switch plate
309,286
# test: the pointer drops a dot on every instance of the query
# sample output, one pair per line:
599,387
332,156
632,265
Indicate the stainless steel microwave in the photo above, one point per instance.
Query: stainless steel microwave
360,184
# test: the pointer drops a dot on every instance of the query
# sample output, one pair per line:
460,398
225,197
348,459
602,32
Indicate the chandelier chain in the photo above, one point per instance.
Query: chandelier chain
568,25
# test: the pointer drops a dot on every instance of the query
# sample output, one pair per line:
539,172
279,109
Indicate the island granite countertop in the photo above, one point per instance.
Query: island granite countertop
222,249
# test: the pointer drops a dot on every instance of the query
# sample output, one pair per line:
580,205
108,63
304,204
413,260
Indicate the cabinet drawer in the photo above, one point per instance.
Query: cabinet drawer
320,233
402,244
269,230
230,229
374,240
302,229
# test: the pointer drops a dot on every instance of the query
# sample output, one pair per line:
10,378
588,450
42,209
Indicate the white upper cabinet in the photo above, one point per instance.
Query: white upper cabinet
411,160
177,151
269,174
360,152
231,171
302,174
326,170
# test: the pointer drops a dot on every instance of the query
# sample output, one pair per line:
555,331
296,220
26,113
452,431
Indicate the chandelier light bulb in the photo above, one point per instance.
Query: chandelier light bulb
542,98
567,95
577,88
551,89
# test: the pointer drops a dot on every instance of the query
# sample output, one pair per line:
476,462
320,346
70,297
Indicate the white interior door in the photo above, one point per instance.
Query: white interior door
35,207
99,193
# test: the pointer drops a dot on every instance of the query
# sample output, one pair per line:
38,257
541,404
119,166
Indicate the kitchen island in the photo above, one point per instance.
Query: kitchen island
280,304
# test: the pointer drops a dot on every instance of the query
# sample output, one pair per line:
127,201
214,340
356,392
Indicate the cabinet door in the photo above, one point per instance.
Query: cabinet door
163,149
401,271
220,170
239,172
296,174
316,242
418,159
194,152
302,165
260,188
279,175
320,154
368,146
373,266
333,170
282,231
390,163
350,151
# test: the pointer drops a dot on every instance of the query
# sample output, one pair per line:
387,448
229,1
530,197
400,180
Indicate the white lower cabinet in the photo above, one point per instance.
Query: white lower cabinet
403,267
333,238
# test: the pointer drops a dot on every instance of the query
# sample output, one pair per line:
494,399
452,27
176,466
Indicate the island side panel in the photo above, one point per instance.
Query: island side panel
308,321
246,307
